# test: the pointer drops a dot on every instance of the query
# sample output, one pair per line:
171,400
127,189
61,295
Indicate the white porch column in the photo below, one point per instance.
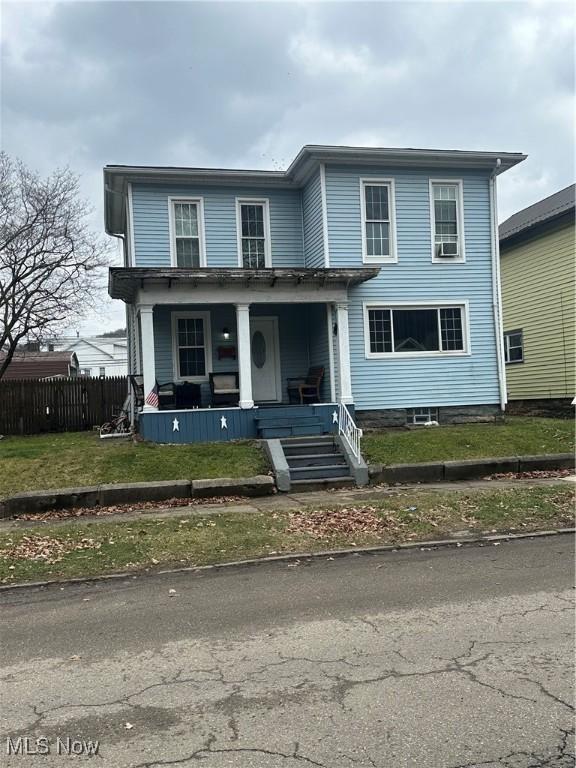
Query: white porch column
244,355
148,360
344,353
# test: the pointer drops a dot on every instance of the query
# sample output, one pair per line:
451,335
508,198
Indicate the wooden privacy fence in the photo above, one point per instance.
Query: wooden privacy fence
29,406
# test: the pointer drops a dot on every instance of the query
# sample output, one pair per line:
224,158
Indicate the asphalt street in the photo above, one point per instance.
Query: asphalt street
444,658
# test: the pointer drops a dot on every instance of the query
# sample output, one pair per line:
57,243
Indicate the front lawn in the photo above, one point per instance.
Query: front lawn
85,549
81,458
515,436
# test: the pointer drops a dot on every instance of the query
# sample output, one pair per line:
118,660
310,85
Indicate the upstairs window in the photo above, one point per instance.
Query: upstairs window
377,221
513,347
253,234
447,223
415,330
186,224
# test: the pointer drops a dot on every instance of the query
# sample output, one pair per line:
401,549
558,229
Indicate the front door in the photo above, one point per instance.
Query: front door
266,384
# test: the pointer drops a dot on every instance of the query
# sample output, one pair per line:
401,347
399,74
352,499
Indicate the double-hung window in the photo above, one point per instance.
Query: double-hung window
513,347
191,335
447,221
253,234
415,330
186,226
378,233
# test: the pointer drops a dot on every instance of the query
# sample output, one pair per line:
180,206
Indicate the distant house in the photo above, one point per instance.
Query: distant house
28,364
537,268
97,355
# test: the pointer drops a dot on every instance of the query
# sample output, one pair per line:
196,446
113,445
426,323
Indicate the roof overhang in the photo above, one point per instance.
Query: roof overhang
117,177
130,283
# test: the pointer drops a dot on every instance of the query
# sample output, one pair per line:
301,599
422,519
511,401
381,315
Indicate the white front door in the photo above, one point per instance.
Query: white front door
265,357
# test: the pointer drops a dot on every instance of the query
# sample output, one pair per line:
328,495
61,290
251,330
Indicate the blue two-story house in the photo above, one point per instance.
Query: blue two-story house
359,283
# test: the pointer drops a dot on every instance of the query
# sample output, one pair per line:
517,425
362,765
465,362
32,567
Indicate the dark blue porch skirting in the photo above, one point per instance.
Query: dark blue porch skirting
205,425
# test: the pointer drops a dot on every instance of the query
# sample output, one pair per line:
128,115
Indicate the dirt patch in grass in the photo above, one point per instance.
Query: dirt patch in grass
83,548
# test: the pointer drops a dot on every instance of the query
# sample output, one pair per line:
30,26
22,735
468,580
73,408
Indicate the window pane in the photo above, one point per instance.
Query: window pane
187,252
444,192
515,354
376,198
515,339
252,220
415,330
192,361
191,332
451,328
253,253
377,239
186,219
380,330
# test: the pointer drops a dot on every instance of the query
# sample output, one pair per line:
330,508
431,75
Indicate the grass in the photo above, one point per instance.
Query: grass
88,548
514,437
81,458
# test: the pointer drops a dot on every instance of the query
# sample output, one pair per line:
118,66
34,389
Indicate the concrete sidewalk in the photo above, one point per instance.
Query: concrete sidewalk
285,501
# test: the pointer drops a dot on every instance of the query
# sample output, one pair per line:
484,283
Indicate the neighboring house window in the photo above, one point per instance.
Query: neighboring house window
415,330
513,347
186,226
191,334
86,371
420,416
102,371
447,221
377,203
253,234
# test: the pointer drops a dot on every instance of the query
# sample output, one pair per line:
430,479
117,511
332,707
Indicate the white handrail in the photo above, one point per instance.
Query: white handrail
348,429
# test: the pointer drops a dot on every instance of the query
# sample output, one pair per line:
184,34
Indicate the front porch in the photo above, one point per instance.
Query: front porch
276,341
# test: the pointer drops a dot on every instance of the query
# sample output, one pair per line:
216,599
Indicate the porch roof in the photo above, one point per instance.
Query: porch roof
125,282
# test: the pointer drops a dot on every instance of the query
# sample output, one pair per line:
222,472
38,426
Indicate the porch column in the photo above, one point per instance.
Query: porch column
148,360
344,353
244,355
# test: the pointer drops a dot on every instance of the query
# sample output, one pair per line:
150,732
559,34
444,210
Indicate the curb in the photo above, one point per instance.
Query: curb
434,544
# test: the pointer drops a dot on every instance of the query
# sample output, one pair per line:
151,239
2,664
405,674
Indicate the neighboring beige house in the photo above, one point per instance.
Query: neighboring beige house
537,249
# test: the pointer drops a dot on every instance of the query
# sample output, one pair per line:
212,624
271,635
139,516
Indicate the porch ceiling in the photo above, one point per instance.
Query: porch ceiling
126,282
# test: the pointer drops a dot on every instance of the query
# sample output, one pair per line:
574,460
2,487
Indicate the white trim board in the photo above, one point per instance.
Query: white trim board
460,303
324,202
459,183
379,182
265,203
199,202
207,345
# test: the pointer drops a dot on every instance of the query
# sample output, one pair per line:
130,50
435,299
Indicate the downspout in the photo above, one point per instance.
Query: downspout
497,289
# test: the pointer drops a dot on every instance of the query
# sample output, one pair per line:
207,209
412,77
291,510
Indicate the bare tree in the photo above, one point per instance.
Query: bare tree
50,260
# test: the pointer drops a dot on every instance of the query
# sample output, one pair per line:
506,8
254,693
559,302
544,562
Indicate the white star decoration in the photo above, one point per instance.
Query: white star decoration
223,423
175,426
334,417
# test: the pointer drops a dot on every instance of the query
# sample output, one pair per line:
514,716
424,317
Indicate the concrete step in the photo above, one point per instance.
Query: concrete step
318,473
309,428
344,481
318,444
315,459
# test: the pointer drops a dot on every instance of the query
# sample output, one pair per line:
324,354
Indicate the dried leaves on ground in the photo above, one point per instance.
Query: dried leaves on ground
45,549
537,474
324,523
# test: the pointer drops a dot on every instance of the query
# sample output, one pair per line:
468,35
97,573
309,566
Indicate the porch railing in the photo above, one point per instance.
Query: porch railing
348,429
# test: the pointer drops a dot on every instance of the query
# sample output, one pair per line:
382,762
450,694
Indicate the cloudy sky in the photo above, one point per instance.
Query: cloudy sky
247,84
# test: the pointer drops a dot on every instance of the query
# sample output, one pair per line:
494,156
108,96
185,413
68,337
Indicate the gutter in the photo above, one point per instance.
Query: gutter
497,289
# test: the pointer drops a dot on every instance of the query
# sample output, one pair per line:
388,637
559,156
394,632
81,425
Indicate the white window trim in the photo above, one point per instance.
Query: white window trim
463,305
205,316
459,217
129,243
379,182
507,335
265,202
172,199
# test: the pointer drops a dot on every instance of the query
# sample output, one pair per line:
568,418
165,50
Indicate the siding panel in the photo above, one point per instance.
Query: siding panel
312,221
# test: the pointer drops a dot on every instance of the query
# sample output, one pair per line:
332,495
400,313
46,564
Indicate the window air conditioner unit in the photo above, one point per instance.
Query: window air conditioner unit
446,250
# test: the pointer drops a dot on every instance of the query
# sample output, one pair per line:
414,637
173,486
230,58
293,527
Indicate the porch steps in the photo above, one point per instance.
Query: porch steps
287,422
316,463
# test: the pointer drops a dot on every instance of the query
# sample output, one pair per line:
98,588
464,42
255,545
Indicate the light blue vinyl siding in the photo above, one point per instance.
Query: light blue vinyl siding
319,345
414,382
313,227
152,234
294,327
